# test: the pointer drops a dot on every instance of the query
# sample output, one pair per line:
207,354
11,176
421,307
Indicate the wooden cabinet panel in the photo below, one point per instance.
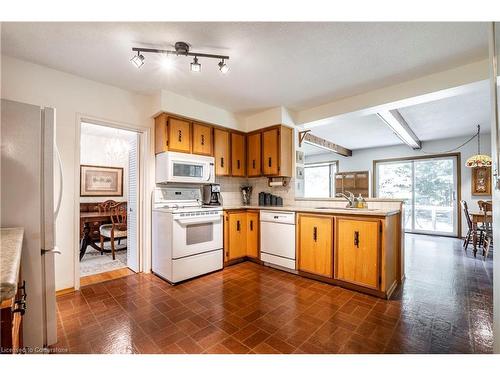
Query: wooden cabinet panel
357,251
253,234
202,139
179,135
161,134
238,154
221,152
316,244
270,145
254,152
237,231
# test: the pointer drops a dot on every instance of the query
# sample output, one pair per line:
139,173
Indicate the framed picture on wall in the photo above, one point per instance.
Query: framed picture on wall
98,181
481,181
299,157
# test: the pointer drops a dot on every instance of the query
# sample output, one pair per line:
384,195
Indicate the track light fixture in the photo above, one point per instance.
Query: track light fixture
181,49
138,60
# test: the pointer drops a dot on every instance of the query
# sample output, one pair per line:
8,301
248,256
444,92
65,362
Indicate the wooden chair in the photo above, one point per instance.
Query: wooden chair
119,224
486,246
470,230
104,229
487,208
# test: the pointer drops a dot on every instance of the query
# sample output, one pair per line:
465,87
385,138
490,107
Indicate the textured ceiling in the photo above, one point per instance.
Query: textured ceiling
297,65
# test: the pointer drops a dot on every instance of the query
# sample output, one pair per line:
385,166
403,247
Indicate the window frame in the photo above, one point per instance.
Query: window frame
332,164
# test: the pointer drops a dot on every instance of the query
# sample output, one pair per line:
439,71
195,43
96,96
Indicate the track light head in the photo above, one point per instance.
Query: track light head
223,67
195,65
138,60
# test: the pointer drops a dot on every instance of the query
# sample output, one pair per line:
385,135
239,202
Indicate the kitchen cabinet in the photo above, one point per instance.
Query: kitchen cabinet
222,152
253,234
357,251
277,149
238,155
354,182
254,155
161,134
11,314
202,139
315,244
235,228
179,135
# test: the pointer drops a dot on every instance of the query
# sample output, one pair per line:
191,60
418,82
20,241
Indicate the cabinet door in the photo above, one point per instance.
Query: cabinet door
161,134
179,135
237,235
315,244
253,234
358,251
202,139
221,152
238,155
270,151
254,148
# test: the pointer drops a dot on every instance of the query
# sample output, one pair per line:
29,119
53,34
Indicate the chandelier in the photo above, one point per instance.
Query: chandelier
117,149
478,160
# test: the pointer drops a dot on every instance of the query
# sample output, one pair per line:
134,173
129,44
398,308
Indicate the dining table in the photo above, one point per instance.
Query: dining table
478,217
86,218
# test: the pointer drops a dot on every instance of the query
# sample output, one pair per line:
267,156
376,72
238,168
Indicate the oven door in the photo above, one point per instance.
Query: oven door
196,234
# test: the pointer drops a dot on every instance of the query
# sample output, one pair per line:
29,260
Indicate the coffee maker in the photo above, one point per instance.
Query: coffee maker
211,195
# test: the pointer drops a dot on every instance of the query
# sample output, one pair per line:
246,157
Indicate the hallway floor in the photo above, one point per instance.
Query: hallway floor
444,306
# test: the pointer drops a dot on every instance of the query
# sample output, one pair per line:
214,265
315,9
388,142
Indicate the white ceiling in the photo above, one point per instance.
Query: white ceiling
297,65
93,130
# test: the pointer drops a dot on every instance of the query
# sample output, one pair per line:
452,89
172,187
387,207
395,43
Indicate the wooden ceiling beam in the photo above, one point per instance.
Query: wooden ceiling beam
307,137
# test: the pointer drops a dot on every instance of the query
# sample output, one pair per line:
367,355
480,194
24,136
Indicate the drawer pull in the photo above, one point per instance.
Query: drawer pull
180,135
222,162
356,239
203,140
270,162
253,164
251,225
315,234
238,163
238,225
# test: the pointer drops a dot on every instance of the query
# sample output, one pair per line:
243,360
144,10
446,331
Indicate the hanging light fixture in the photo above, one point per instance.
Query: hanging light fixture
138,60
195,65
478,160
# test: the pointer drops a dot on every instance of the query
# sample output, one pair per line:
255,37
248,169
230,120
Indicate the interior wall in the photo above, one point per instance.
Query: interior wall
362,160
72,96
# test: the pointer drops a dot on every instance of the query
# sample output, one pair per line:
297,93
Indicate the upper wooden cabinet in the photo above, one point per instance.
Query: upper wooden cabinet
254,155
315,244
161,133
202,139
277,151
357,251
179,135
222,152
238,155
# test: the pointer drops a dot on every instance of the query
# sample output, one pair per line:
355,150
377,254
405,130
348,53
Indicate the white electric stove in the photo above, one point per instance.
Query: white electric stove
187,236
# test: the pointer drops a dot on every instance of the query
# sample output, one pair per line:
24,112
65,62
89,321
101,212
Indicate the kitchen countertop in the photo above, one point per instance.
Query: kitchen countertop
11,241
329,210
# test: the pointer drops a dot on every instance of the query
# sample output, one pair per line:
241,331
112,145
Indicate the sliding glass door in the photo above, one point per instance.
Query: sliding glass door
429,189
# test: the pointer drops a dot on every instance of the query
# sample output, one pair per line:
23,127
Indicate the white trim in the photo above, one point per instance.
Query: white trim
144,228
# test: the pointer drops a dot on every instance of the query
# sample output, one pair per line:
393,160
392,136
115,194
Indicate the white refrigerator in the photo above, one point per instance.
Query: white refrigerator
29,199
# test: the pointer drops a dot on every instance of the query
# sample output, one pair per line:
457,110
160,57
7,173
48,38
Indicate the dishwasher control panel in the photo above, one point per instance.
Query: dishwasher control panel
283,217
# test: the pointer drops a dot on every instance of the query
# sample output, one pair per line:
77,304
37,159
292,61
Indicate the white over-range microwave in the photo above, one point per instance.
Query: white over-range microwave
184,168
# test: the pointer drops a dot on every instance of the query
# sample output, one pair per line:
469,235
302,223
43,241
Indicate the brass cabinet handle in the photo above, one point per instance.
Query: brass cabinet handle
251,225
270,162
180,135
238,225
222,162
315,234
203,140
356,239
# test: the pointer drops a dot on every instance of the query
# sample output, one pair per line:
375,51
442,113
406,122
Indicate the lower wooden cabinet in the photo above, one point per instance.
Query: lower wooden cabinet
315,244
358,251
241,235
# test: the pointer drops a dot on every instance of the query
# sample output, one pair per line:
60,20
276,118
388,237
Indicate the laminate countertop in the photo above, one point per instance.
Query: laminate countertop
325,210
11,243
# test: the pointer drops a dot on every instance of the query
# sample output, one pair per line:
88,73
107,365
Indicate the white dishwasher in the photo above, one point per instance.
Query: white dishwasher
277,238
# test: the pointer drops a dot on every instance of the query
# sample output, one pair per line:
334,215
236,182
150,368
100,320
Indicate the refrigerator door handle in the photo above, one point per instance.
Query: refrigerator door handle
51,251
61,186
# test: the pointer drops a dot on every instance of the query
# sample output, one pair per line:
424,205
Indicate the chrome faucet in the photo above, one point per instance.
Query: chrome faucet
351,201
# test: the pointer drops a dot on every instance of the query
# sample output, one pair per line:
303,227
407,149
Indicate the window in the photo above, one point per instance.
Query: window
319,180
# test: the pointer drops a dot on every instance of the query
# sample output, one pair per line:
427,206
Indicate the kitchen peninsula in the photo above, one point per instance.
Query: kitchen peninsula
359,249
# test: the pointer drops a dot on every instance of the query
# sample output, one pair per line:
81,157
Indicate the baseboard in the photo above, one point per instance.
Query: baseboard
65,291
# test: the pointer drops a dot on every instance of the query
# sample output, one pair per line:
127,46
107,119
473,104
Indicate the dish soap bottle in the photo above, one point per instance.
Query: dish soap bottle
360,202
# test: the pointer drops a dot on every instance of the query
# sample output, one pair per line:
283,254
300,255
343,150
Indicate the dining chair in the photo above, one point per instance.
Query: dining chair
470,230
119,224
104,207
487,208
486,246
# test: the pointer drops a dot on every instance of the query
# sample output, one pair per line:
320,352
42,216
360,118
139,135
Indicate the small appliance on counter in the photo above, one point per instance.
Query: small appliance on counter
246,192
211,195
268,199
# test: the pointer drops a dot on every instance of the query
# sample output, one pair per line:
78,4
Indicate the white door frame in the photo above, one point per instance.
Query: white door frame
144,228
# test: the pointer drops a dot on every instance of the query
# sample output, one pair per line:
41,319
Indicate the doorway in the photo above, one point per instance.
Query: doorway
109,202
429,186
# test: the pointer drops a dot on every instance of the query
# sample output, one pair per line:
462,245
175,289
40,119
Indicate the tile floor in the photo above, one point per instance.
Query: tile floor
444,306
